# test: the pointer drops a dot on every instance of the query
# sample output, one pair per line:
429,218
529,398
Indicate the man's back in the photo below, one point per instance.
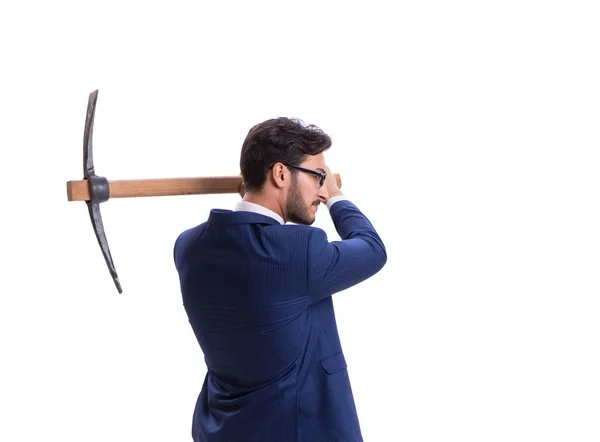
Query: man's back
258,297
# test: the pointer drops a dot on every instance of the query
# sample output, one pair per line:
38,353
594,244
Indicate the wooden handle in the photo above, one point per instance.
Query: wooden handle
79,190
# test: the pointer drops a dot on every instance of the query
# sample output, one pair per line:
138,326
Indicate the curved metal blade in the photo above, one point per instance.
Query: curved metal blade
99,190
88,158
96,217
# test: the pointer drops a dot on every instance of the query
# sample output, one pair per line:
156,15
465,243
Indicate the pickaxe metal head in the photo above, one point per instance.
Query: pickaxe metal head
98,188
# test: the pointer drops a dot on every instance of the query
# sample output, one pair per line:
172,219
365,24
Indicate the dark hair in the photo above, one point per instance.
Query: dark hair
285,140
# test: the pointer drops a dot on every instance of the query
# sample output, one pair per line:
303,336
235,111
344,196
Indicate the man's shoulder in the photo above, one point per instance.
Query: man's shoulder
299,229
303,234
189,233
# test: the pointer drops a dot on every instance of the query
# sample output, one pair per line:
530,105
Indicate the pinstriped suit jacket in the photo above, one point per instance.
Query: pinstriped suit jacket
258,298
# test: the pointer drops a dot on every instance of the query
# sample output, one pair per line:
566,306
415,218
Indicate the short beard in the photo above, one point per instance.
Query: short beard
295,207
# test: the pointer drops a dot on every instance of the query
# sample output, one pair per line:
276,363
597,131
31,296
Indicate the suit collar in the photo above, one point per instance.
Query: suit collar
225,217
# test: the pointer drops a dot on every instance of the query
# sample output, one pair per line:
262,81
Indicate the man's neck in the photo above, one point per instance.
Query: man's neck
262,200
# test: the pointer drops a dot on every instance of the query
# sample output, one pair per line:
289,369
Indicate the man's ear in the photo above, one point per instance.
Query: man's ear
279,175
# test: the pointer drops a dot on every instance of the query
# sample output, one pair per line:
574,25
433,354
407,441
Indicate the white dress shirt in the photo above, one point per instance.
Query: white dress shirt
247,206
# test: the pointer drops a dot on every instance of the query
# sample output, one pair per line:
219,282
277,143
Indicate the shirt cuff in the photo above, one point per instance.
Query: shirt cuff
331,201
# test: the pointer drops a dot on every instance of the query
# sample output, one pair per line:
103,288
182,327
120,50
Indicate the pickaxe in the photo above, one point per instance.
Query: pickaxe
94,189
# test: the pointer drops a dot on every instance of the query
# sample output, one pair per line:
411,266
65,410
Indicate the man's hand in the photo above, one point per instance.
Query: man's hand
331,185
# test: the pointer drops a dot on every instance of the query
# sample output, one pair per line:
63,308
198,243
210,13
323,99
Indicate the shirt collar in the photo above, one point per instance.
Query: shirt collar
247,206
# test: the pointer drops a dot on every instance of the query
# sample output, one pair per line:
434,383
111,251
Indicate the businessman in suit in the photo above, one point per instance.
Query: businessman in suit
257,292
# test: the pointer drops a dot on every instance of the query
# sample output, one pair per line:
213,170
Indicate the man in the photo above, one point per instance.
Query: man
257,293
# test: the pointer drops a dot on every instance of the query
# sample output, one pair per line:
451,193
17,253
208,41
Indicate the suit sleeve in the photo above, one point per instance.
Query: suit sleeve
337,265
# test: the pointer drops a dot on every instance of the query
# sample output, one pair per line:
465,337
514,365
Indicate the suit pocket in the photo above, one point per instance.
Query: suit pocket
333,364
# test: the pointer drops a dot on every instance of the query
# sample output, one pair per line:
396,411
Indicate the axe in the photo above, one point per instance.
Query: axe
94,189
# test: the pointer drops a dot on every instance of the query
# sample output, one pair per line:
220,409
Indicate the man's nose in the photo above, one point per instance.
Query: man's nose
323,194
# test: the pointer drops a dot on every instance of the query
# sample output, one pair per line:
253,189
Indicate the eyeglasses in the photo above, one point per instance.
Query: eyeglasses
321,175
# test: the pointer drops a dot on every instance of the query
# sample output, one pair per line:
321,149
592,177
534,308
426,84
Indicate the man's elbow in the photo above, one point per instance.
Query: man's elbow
383,259
381,256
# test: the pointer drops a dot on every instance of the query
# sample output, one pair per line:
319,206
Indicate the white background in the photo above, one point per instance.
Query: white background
468,132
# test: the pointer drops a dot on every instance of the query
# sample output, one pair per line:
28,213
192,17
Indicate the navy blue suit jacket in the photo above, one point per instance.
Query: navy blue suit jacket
258,298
